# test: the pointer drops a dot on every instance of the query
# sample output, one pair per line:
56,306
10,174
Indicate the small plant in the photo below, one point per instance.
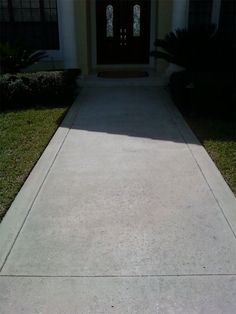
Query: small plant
192,49
200,49
15,58
208,59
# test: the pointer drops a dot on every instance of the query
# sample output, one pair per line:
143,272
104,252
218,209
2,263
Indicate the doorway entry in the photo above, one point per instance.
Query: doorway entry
123,31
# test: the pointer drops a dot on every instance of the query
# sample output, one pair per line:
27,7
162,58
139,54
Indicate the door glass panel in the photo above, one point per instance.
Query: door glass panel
136,20
109,18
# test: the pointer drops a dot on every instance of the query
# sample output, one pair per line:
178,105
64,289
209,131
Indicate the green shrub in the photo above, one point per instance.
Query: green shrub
40,88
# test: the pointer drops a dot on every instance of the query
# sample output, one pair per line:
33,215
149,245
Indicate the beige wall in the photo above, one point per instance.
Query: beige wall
82,34
164,25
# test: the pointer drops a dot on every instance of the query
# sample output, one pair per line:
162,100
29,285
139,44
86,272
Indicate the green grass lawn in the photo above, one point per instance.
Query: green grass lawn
219,139
23,136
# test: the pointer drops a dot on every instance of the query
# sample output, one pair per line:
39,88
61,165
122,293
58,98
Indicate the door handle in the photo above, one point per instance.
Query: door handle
123,37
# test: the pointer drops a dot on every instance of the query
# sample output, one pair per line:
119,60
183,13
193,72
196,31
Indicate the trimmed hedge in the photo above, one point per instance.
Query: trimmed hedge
40,88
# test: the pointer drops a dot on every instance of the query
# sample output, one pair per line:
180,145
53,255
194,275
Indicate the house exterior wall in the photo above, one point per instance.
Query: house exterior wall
74,38
170,14
77,31
76,34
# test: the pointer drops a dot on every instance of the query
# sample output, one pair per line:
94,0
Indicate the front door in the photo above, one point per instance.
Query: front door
123,31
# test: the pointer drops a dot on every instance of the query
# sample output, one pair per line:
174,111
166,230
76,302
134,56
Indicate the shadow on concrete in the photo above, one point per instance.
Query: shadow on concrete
138,112
130,111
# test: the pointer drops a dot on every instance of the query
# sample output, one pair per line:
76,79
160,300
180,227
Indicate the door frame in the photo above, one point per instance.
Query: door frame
93,38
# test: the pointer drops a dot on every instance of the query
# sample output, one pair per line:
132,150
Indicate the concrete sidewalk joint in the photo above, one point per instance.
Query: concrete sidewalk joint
17,214
125,212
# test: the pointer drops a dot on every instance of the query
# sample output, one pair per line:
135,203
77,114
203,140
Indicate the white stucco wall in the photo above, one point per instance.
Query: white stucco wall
67,33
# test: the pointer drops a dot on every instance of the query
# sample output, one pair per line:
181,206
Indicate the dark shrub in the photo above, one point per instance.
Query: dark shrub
40,88
199,49
209,61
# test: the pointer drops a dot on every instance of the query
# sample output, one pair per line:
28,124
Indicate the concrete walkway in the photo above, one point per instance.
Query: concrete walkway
124,213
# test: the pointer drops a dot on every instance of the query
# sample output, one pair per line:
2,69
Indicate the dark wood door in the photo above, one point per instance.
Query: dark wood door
123,31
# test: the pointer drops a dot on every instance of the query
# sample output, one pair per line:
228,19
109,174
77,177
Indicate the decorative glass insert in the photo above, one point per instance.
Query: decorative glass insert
136,20
109,18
